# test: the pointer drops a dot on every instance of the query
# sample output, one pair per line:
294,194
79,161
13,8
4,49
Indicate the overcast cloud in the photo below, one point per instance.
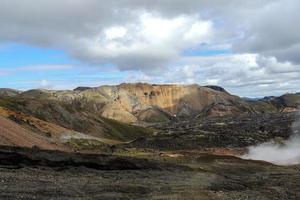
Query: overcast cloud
149,38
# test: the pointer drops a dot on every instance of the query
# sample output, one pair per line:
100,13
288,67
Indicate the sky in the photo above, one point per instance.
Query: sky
249,47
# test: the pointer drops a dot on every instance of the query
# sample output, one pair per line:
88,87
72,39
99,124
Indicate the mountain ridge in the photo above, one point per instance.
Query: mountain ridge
101,117
133,102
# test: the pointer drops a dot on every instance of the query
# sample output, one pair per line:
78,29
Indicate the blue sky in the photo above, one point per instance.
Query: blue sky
24,67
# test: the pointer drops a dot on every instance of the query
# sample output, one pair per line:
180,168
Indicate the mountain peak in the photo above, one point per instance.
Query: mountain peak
217,88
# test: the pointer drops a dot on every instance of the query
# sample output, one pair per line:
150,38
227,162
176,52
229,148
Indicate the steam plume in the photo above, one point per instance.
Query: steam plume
280,154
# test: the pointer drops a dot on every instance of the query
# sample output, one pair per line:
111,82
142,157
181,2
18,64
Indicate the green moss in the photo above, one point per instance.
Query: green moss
136,153
12,103
157,118
125,132
88,144
264,107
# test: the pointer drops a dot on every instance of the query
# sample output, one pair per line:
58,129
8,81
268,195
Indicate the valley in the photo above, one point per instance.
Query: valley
143,141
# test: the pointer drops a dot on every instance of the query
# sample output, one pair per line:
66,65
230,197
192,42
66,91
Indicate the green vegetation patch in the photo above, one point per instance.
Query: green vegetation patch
264,107
86,144
11,102
126,132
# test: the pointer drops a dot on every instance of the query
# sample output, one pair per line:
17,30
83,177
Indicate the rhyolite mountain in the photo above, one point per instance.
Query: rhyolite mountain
132,103
109,114
141,102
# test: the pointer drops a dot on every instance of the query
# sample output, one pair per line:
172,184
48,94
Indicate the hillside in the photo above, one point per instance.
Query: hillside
9,92
131,102
105,115
286,102
140,102
12,134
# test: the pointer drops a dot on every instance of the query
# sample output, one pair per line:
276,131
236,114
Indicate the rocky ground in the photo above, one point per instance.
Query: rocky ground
27,174
228,132
183,160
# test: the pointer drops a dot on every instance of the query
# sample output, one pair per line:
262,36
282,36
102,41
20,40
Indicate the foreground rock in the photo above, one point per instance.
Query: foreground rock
18,157
28,174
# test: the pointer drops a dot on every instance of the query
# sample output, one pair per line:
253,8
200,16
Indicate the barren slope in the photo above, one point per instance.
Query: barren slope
14,135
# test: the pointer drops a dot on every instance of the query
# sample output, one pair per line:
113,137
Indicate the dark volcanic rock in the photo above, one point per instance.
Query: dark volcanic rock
82,88
217,88
213,177
17,157
227,131
39,174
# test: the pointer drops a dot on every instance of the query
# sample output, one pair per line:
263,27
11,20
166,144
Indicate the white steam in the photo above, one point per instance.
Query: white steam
287,153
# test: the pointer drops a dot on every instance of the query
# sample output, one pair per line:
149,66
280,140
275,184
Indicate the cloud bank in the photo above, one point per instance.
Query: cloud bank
150,38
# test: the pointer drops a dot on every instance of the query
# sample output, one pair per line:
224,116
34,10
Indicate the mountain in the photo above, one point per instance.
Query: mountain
141,102
108,115
286,102
9,92
50,124
132,103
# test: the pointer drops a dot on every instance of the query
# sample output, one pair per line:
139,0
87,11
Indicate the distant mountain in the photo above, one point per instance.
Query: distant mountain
9,92
132,103
217,88
286,102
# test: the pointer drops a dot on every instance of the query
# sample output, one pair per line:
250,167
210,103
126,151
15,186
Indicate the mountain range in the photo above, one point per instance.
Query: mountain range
107,115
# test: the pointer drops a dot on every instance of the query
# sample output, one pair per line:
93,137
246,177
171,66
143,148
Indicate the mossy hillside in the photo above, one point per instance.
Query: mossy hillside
154,116
73,117
87,144
11,102
291,100
125,132
263,107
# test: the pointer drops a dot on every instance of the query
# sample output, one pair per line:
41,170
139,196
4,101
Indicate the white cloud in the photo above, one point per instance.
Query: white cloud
146,44
272,30
115,32
128,34
243,74
44,83
148,38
